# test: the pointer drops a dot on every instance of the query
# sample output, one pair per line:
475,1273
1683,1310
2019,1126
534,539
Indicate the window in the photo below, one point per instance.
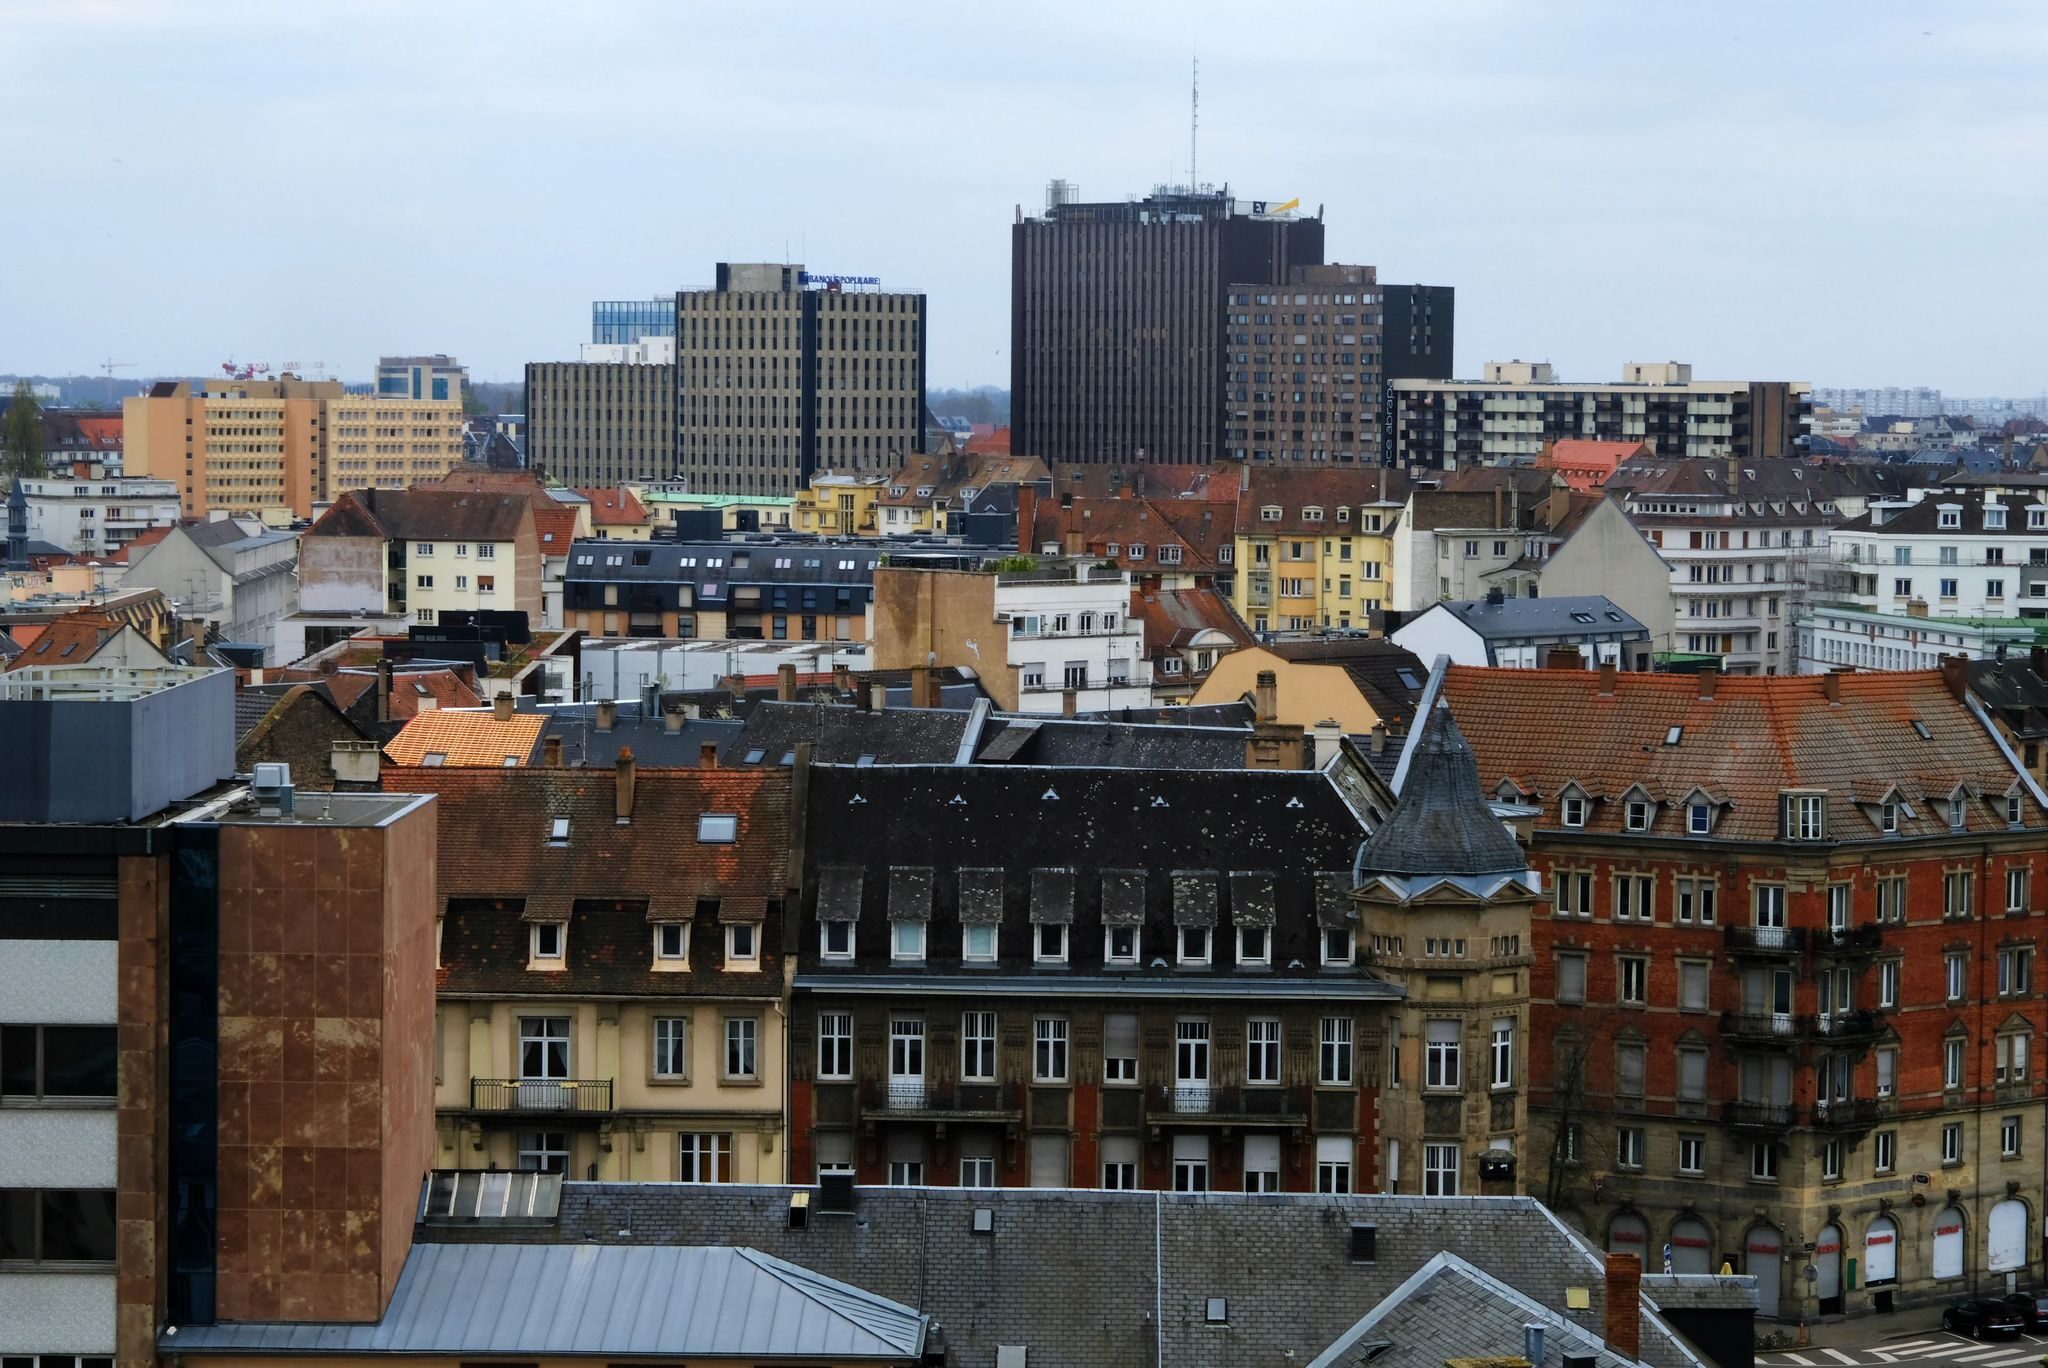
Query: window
1952,1143
1891,899
543,1047
1763,1162
1692,1075
1120,945
1441,1056
1262,1050
835,940
977,1170
1628,1069
1695,901
1636,815
671,1047
2016,889
1692,1154
1887,1071
1333,1163
835,1045
1333,1067
1955,974
741,1036
1440,1170
1050,944
718,828
977,944
1119,1163
1694,985
1956,888
671,940
1502,1055
1888,983
2012,1059
1574,812
543,1152
423,582
423,549
2015,971
547,939
704,1158
1632,897
1120,1048
1573,894
57,1225
1952,1056
978,1047
1049,1050
1805,815
1253,946
1884,1151
1337,946
1628,1147
1770,907
1831,1161
1632,975
1191,1163
906,1173
742,946
1571,977
1194,945
906,940
57,1061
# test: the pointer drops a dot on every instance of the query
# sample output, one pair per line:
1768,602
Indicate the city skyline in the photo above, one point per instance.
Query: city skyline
1699,194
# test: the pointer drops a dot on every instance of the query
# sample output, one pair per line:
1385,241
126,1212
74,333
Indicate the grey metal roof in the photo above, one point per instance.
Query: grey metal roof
1442,823
1150,984
1545,617
593,1300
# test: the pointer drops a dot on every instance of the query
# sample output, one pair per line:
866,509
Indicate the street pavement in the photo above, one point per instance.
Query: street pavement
1932,1349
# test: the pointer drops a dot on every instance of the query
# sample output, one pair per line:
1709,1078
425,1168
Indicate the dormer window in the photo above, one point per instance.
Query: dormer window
1573,810
1637,814
1137,551
835,940
2037,517
924,491
1888,817
1956,812
1344,515
1805,816
1120,945
1337,947
1311,514
671,941
2015,809
1270,513
742,946
1194,946
1699,817
1049,944
1949,516
906,940
549,944
1994,517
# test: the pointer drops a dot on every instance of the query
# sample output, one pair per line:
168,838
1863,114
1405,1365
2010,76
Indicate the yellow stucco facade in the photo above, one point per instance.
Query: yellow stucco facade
1308,695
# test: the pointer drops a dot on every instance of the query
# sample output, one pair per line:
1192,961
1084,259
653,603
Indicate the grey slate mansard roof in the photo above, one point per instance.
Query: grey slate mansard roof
1442,824
1093,1279
1514,618
599,1300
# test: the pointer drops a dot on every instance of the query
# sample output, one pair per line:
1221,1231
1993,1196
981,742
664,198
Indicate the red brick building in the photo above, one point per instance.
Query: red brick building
1783,997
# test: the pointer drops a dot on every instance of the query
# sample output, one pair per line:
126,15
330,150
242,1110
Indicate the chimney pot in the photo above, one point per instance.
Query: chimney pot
673,720
707,755
501,707
1266,697
607,715
1070,702
1624,1305
1379,738
785,683
1831,686
551,752
1563,658
1610,674
1955,674
622,802
1708,678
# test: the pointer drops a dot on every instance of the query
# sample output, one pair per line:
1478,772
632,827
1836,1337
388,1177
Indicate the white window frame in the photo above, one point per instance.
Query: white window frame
1039,931
907,938
1442,1169
978,1046
1050,1053
671,1041
835,1045
556,954
825,932
1132,955
1265,955
1337,1052
742,946
680,932
1501,1054
972,932
1199,959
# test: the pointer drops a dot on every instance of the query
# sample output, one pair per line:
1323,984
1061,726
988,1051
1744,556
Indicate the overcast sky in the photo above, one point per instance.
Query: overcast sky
1847,193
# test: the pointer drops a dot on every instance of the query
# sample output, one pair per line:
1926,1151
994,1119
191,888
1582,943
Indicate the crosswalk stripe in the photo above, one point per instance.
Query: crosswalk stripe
1799,1359
1883,1356
1997,1351
1912,1344
1839,1357
2024,1356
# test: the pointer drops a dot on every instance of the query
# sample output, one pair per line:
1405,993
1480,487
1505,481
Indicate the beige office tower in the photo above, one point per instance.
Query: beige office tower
781,374
280,446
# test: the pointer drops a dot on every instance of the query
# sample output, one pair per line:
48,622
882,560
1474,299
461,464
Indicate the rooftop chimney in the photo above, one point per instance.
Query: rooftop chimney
1563,658
924,688
1955,674
707,755
2037,657
1708,677
551,751
622,801
1624,1305
1379,738
842,677
1027,517
1266,697
1495,597
607,715
356,764
1609,674
384,689
1831,686
877,695
1071,543
672,721
1916,607
785,683
1070,702
501,707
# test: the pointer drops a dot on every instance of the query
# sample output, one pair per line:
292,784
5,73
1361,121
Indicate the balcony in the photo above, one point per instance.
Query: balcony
1855,1113
535,1096
1787,941
1224,1105
1849,940
1784,1028
904,1099
1762,1116
1842,1027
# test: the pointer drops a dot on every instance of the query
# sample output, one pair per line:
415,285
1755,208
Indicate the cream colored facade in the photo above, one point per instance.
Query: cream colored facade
457,576
839,505
633,1132
271,446
1292,577
1308,695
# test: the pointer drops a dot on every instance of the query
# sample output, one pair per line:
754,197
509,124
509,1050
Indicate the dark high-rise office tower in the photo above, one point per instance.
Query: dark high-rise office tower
1416,345
1117,348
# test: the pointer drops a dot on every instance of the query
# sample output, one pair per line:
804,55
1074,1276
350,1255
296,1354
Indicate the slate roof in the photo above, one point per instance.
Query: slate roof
600,1301
1079,1276
1757,736
2015,691
842,735
1239,715
1104,744
1450,1309
1924,518
653,745
1516,618
498,868
1382,670
1442,824
467,737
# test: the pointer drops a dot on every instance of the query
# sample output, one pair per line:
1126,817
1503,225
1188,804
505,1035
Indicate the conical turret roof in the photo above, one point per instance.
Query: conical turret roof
1442,824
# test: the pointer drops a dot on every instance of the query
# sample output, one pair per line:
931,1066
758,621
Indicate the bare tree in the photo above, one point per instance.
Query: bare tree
21,436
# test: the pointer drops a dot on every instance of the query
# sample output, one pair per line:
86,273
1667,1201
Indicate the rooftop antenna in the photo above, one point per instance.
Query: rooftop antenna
1194,123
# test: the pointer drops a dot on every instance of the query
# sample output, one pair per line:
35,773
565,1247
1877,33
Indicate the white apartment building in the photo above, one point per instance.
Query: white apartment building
1071,629
1836,636
1744,540
1947,553
96,514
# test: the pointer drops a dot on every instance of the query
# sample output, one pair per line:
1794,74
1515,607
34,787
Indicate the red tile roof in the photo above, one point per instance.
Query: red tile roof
69,640
1757,736
1200,530
1218,482
995,443
471,739
615,508
1586,464
409,692
1172,618
556,528
1295,489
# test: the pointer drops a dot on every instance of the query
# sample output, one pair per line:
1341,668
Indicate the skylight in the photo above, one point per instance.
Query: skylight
1920,730
1407,678
718,828
1672,734
434,758
755,756
558,829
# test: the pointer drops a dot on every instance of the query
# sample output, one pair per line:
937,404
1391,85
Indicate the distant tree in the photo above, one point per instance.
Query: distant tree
1013,563
1578,1132
21,435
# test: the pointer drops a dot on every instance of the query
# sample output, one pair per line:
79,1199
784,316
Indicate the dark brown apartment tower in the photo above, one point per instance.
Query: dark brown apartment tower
1117,337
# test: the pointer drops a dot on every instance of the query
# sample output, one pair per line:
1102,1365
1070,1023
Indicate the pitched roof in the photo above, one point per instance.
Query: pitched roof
943,477
426,514
1296,491
1584,462
1093,480
1516,617
499,865
1923,517
470,737
1442,823
1381,669
485,479
1756,737
995,443
1199,528
72,639
1171,618
614,508
556,529
601,1301
1103,743
843,735
413,690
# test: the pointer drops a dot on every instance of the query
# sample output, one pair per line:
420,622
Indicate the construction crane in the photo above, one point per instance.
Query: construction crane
247,371
110,365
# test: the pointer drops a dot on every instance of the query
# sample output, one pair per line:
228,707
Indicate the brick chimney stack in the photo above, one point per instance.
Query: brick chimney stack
622,803
785,683
1624,1305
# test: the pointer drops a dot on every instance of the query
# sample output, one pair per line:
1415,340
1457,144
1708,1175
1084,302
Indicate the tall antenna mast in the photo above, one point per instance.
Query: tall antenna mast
1194,123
